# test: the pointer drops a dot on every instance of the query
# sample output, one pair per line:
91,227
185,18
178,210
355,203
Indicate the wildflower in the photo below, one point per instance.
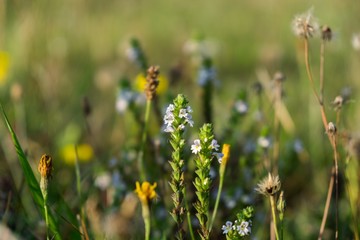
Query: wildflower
338,102
269,186
4,66
84,153
123,100
241,106
244,228
169,118
196,147
103,181
214,145
264,142
227,227
356,41
145,192
207,75
304,25
182,113
169,128
219,156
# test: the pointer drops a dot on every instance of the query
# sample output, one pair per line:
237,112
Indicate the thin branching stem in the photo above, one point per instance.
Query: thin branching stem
272,203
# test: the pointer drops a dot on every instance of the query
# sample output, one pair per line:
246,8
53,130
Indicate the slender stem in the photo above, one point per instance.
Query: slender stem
143,142
272,203
221,182
322,60
146,217
46,213
327,204
336,188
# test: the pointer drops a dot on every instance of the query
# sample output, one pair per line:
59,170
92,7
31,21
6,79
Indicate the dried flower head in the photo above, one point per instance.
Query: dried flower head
145,192
338,102
326,33
152,81
269,186
304,25
331,128
45,166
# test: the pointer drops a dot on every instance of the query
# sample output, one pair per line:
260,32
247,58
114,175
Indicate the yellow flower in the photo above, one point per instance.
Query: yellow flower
4,66
226,153
85,153
145,192
140,83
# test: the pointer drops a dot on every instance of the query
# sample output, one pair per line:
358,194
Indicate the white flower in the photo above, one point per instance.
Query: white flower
181,126
214,145
196,147
241,107
244,228
356,41
189,109
189,120
219,156
264,142
183,113
169,128
170,108
169,118
227,227
103,181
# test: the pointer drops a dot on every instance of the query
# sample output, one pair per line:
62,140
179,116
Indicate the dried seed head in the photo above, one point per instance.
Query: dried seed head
152,82
331,129
326,33
45,166
338,102
269,186
304,25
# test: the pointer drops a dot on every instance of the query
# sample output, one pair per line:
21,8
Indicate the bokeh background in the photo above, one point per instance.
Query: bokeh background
57,56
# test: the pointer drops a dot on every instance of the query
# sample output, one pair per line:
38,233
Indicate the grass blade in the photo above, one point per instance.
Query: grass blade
30,177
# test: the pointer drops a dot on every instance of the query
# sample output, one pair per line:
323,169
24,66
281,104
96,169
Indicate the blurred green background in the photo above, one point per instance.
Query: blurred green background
55,53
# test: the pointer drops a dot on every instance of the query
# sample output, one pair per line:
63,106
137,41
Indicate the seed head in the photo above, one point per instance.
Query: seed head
331,129
326,33
152,81
304,25
45,166
269,186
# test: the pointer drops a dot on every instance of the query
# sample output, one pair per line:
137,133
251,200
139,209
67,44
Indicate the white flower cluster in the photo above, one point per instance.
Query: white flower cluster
127,97
243,229
169,118
196,148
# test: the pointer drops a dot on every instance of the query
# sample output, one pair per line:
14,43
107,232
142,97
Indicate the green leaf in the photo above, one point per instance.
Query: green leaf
30,178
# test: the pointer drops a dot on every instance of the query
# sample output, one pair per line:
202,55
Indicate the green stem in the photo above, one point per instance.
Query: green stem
46,216
146,217
272,203
143,142
221,182
189,217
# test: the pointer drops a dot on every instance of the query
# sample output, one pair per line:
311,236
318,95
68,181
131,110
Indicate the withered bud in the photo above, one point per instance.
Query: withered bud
151,81
45,166
331,128
326,33
338,102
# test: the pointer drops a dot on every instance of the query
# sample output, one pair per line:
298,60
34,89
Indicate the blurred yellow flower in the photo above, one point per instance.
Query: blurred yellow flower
85,153
4,66
140,83
145,192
